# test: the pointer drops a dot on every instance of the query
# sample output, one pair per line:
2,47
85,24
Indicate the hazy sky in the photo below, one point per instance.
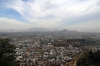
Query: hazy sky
81,15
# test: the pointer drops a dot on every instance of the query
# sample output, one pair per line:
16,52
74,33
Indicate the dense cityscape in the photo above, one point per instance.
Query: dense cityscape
55,48
49,32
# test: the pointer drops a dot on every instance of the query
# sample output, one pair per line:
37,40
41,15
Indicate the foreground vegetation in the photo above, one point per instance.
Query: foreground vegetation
7,53
89,59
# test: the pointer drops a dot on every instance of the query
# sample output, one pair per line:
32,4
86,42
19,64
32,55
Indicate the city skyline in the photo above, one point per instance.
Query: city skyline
79,15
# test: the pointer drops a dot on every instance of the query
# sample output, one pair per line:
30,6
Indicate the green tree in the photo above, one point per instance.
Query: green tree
7,53
89,59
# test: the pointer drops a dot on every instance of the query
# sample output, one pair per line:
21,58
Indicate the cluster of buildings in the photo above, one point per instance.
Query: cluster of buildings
44,55
40,49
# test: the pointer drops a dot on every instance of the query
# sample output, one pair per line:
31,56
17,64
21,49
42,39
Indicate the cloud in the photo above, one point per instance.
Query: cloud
58,8
57,13
89,26
46,23
6,23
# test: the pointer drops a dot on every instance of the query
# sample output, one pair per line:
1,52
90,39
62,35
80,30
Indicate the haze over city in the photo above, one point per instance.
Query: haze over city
79,15
49,32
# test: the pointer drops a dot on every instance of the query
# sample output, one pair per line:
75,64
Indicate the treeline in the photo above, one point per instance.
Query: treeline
84,41
89,59
7,53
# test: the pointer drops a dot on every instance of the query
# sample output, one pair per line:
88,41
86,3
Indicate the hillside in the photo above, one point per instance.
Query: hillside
89,59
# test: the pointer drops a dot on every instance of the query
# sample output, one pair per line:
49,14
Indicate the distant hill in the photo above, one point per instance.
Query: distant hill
35,29
26,30
38,30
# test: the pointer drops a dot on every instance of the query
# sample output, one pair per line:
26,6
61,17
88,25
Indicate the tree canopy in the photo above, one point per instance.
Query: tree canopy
89,59
7,53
